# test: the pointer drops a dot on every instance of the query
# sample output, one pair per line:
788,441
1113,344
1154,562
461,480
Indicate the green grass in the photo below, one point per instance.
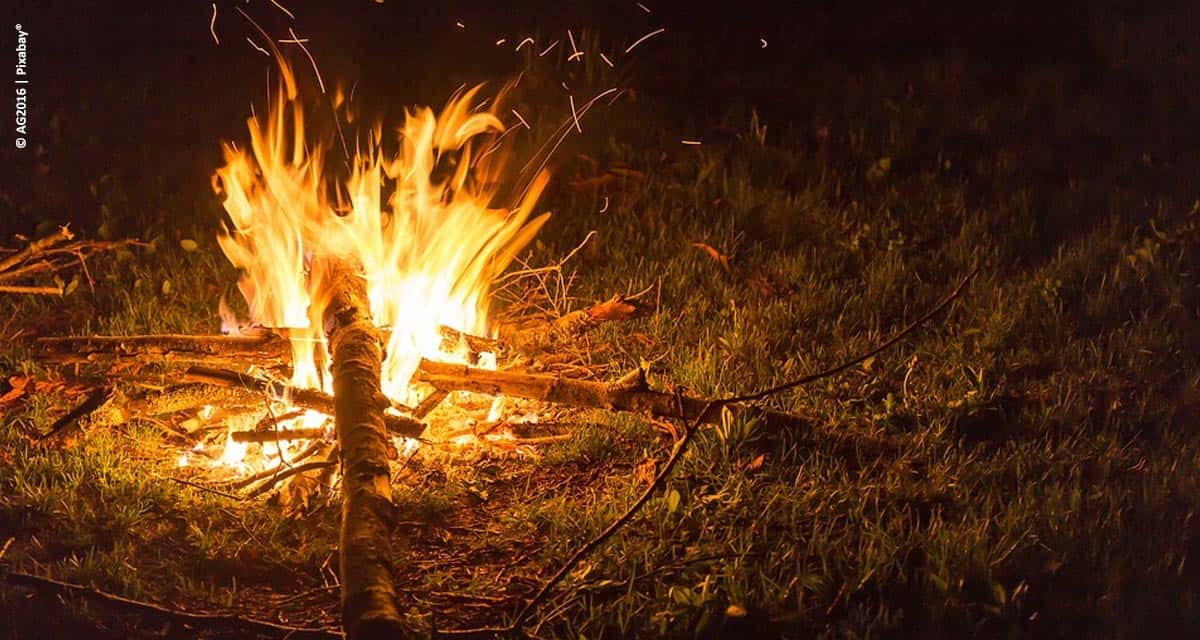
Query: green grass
1024,465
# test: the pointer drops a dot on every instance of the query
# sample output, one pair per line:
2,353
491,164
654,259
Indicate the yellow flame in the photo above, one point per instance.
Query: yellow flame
421,223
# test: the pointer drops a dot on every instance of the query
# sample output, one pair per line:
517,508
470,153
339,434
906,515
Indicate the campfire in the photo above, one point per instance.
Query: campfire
369,332
367,329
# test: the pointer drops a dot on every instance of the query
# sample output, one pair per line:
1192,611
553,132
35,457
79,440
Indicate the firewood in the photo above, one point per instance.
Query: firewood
532,339
33,249
369,606
630,393
277,435
395,423
265,349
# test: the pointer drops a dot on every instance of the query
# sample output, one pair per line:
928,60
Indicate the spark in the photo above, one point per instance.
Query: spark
575,115
255,45
283,9
524,42
501,41
575,52
691,142
575,56
645,38
549,48
212,24
518,115
643,7
605,207
564,85
310,58
764,42
460,25
606,60
553,142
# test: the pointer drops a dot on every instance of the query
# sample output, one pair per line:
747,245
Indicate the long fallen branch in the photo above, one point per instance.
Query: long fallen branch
396,424
60,588
630,393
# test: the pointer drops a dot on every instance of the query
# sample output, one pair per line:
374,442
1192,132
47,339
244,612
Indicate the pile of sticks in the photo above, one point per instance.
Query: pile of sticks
21,270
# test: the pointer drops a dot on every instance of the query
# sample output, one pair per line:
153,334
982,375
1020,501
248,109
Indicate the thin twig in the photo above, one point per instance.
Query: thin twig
209,619
287,473
925,317
197,485
93,402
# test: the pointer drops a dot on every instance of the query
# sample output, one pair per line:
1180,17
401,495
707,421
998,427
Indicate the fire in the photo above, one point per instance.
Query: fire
422,222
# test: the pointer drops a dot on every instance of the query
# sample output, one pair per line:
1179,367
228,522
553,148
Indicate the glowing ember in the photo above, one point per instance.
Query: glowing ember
421,223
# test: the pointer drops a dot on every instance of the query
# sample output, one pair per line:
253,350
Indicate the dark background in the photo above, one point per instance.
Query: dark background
139,92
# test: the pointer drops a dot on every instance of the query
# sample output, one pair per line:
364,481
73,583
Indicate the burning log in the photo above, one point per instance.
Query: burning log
306,398
369,606
630,393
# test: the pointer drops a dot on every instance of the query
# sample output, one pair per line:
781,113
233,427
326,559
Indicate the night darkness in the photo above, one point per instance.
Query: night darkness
767,192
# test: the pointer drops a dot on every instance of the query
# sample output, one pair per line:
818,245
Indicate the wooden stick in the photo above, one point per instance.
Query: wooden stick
280,435
37,246
630,393
94,401
307,398
543,336
60,588
37,291
264,349
370,610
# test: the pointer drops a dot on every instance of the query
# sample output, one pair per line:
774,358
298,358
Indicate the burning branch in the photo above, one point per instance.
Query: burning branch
306,398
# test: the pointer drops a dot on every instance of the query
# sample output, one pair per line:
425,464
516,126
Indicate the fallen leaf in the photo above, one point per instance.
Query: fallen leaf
721,258
643,339
756,463
18,384
645,471
615,308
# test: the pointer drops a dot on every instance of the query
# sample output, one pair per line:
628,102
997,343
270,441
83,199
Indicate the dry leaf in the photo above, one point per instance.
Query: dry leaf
300,493
645,471
18,384
643,339
721,258
756,463
615,308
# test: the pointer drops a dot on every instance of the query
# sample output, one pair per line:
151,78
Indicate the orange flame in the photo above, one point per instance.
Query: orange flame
429,254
